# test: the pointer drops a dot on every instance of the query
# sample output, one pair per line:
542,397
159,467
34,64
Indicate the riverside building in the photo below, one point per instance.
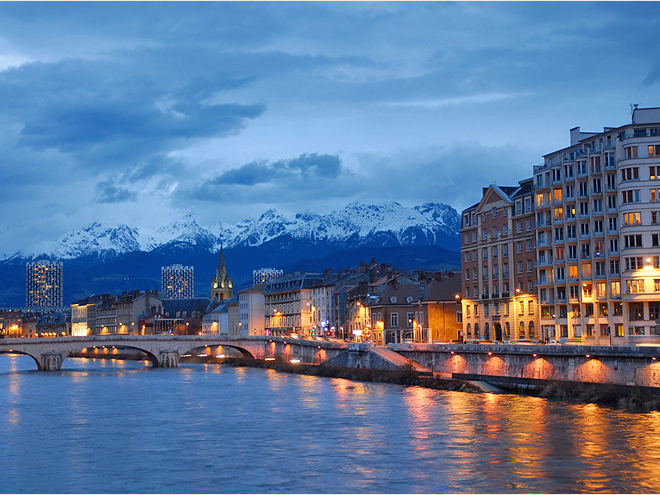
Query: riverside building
598,228
595,225
499,299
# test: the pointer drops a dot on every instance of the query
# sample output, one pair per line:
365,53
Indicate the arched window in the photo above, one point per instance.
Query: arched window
476,330
507,330
469,330
522,330
487,332
532,332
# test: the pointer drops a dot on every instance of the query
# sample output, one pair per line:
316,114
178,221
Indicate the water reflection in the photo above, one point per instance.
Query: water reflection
118,426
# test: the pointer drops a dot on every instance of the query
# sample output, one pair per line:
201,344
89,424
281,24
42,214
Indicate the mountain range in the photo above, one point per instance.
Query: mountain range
112,258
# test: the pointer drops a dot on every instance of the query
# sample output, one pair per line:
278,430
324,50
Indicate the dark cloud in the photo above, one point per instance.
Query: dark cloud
108,192
305,167
100,115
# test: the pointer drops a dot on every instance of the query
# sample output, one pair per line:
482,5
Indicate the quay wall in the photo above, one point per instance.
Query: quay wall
637,366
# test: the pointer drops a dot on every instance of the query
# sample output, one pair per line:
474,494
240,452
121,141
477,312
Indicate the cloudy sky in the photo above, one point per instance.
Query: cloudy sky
140,113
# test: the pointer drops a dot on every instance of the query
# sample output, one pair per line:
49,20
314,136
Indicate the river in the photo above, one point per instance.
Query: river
106,426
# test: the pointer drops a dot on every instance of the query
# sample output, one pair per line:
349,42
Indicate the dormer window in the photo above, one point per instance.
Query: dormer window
393,299
409,299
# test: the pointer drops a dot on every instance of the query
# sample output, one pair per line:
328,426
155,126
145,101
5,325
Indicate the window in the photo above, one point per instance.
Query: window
410,319
615,288
654,240
654,150
570,211
598,206
631,173
394,318
655,195
636,311
485,252
556,194
654,171
570,232
583,190
519,226
614,267
529,224
559,214
467,274
611,182
519,246
595,164
505,250
654,310
635,286
494,252
601,293
611,202
630,196
586,270
632,218
474,255
630,151
634,263
612,224
655,218
467,256
570,192
598,227
632,241
596,186
573,271
584,209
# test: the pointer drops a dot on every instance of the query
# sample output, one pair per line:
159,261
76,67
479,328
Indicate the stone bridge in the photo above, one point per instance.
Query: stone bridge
165,350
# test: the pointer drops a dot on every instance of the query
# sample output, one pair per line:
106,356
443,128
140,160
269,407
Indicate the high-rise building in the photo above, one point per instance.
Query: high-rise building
44,283
265,275
598,234
178,282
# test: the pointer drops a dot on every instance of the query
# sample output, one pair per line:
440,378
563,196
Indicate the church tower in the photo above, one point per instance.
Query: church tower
222,287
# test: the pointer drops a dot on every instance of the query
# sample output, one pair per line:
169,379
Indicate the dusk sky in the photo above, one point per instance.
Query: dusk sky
140,113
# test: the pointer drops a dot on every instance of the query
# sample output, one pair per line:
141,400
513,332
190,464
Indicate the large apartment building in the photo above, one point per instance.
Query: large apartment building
593,212
598,228
497,260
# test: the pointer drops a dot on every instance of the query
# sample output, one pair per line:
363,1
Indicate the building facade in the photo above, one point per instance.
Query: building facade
265,275
288,304
44,283
251,306
599,243
497,260
177,282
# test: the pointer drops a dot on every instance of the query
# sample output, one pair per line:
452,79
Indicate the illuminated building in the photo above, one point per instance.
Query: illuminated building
597,233
251,303
288,304
44,283
265,275
178,282
497,263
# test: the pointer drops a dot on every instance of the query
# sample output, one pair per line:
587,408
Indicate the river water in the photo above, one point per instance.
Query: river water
102,426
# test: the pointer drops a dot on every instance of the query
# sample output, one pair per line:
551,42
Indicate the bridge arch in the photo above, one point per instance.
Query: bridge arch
23,353
244,352
150,355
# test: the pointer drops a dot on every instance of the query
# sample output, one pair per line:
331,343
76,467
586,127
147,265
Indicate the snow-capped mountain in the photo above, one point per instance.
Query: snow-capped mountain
356,225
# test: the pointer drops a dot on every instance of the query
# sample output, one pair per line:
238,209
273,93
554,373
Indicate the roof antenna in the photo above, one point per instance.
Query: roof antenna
633,107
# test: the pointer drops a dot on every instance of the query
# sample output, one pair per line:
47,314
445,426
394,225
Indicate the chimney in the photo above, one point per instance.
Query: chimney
146,302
